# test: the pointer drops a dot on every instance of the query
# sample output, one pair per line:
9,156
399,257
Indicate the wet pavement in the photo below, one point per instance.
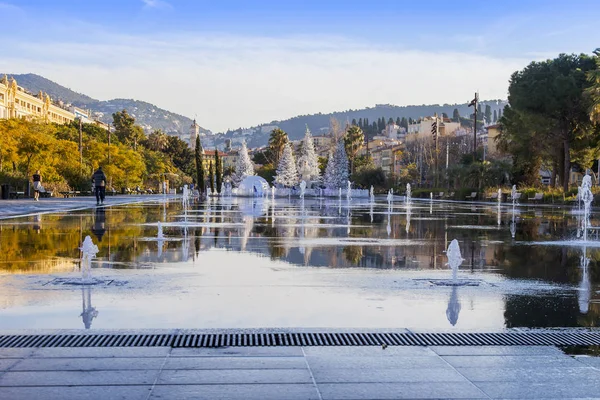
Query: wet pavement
516,372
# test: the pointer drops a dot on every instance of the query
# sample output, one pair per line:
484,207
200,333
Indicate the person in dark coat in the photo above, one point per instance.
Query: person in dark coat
99,181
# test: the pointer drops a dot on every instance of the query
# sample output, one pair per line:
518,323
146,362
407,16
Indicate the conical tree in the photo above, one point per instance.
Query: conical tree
287,174
243,166
211,177
329,179
308,162
341,165
199,166
218,171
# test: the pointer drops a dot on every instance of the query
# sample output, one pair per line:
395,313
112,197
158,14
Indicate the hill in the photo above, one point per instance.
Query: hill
319,123
149,116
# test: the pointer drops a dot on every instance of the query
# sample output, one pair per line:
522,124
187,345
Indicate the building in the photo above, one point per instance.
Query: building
492,133
230,159
322,145
388,158
393,131
16,102
421,130
194,134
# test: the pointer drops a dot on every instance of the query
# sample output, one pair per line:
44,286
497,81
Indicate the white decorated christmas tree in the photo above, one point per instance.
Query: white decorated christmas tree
329,179
243,166
308,162
336,173
287,174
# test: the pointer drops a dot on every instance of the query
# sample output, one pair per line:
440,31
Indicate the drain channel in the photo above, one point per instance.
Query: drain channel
302,339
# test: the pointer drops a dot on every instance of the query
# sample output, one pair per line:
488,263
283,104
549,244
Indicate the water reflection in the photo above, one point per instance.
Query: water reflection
319,234
89,312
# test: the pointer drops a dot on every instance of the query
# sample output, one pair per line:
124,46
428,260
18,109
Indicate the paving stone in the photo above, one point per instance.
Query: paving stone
533,374
355,391
86,352
496,350
78,378
235,363
89,364
375,351
236,392
591,361
16,352
187,377
540,390
375,362
239,351
511,361
371,375
7,363
75,393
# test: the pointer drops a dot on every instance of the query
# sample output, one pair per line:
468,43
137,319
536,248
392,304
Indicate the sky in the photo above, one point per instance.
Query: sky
236,63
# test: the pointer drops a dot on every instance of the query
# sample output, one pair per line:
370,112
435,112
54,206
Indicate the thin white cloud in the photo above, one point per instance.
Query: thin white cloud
159,4
233,81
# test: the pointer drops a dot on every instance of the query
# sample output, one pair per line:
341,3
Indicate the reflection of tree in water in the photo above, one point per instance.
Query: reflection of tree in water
353,254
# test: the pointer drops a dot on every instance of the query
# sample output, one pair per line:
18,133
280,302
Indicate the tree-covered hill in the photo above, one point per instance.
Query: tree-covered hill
149,116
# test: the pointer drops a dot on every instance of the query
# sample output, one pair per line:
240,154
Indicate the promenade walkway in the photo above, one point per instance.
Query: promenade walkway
457,372
22,207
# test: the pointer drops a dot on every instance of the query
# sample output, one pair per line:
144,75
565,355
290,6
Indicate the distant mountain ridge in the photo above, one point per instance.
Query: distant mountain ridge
296,126
147,115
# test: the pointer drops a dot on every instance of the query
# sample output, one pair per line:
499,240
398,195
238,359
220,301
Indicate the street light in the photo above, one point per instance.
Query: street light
473,103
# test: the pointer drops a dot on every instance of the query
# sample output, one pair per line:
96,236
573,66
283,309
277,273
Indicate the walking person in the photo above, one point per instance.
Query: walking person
99,181
37,185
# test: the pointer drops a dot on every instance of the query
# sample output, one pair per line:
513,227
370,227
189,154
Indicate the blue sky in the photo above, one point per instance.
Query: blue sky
240,63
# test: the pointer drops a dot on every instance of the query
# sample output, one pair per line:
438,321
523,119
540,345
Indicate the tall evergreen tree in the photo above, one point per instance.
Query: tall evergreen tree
353,141
360,123
329,178
374,129
243,166
218,171
456,115
211,177
488,113
398,121
390,121
404,123
341,165
354,122
287,174
495,117
308,161
199,166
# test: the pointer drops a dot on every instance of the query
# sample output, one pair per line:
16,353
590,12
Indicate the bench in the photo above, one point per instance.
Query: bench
440,195
493,196
449,195
472,196
47,193
16,194
69,194
517,197
536,198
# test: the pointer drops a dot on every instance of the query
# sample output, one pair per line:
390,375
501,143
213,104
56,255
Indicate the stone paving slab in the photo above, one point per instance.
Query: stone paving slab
235,363
236,392
76,393
323,373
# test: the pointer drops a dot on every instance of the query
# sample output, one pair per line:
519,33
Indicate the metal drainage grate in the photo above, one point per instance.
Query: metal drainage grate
303,339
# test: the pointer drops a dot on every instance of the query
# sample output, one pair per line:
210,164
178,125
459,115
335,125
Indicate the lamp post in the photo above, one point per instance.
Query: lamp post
473,103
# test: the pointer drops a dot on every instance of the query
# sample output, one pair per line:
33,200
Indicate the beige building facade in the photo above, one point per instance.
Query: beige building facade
16,102
421,130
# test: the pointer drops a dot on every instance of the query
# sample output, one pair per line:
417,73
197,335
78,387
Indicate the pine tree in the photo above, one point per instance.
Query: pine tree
199,166
211,177
398,121
495,117
455,115
308,161
341,166
243,166
404,123
287,174
488,113
499,113
360,123
354,121
218,171
329,179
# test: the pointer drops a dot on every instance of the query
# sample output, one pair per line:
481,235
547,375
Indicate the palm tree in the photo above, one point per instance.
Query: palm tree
353,141
594,90
277,143
158,140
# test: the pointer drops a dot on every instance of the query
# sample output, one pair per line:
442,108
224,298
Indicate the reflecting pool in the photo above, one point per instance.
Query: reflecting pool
249,263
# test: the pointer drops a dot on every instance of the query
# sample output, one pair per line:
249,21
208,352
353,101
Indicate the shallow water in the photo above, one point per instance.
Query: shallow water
244,263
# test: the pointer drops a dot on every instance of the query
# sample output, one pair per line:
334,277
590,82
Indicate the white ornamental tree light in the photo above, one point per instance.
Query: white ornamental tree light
243,166
308,162
287,174
341,166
